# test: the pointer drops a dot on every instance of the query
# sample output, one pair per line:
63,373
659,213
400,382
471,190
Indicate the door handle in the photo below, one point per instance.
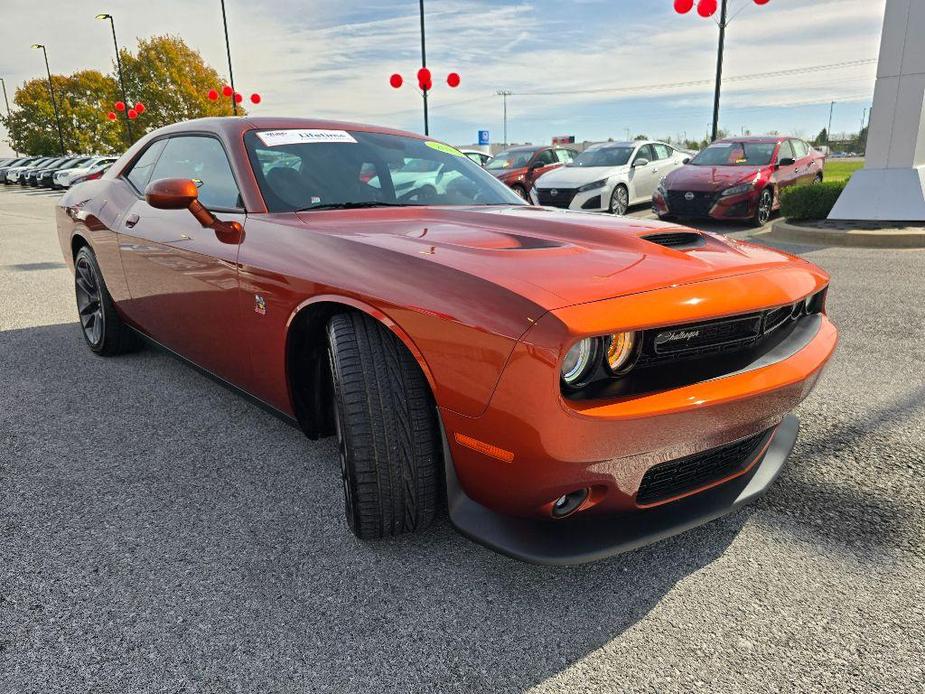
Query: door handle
131,220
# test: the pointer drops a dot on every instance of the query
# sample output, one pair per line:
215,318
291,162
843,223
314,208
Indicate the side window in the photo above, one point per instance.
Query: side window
786,151
564,156
800,148
662,151
203,160
546,157
140,173
645,152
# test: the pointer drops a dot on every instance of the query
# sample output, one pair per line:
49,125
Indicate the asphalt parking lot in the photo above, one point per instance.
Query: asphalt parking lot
160,534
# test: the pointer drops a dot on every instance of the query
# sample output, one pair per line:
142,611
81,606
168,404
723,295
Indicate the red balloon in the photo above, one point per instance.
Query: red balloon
140,107
706,8
120,105
396,81
213,95
762,2
683,6
255,98
132,114
427,86
424,77
453,79
111,115
227,91
238,98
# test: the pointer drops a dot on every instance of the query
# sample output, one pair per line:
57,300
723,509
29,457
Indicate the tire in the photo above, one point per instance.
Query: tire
764,209
619,200
386,426
102,328
817,179
521,192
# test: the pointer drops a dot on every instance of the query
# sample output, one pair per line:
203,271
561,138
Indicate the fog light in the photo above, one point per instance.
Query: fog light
569,503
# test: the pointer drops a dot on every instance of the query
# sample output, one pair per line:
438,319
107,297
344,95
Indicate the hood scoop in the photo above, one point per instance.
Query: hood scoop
682,240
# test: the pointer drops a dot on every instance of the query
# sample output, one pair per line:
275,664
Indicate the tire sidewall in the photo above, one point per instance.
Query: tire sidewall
613,200
86,254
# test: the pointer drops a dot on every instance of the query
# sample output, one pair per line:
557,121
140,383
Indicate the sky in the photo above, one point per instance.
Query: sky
625,58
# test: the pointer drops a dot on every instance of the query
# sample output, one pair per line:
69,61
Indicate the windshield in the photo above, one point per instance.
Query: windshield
603,156
510,160
736,154
300,169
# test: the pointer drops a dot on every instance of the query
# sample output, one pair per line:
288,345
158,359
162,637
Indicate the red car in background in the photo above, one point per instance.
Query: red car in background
738,179
519,167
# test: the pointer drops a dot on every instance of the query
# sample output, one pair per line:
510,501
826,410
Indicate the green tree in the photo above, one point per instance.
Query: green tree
822,138
82,100
173,82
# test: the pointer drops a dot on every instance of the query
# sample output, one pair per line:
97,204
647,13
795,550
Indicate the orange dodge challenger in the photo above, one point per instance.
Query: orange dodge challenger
570,385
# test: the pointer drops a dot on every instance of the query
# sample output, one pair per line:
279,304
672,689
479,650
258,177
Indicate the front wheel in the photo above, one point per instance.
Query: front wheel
102,327
386,426
619,200
765,205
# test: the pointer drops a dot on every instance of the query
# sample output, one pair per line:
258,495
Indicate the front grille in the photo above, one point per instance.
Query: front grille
677,477
698,206
563,196
676,239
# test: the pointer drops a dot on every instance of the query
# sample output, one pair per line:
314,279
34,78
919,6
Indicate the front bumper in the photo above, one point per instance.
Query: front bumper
709,206
596,200
586,539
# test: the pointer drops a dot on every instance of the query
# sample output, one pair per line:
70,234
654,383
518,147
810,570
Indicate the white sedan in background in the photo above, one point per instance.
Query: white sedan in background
609,176
65,177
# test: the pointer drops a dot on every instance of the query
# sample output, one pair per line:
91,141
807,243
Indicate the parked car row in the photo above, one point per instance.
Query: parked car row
53,172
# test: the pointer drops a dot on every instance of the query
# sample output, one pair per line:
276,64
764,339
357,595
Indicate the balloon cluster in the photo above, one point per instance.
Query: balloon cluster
705,8
425,80
229,92
132,111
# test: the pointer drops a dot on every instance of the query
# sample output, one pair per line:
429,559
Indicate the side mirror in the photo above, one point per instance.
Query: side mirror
786,161
641,161
182,193
686,160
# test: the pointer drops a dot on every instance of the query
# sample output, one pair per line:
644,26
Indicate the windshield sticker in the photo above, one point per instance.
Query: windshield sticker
275,138
446,149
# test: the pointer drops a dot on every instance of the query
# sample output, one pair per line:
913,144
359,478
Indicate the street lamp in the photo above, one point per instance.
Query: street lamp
51,89
504,94
7,102
102,17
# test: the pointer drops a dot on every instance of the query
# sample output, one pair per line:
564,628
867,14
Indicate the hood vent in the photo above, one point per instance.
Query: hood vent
677,239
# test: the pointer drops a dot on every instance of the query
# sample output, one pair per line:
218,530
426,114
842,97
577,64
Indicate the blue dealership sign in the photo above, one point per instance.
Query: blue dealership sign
483,137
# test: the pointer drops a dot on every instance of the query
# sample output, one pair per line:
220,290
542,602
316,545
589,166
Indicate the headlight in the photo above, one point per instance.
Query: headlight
579,361
661,186
620,351
737,190
593,186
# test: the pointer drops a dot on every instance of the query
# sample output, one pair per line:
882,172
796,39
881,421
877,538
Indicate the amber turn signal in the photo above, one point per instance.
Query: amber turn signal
620,351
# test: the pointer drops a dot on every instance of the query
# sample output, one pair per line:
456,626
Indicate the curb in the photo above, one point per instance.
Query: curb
782,230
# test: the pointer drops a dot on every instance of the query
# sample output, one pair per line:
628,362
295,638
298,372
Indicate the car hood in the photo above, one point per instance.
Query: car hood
507,173
554,258
577,176
709,178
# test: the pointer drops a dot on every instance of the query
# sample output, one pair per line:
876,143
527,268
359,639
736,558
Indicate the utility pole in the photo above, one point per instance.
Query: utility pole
424,65
7,102
719,70
128,121
828,130
54,103
234,103
504,94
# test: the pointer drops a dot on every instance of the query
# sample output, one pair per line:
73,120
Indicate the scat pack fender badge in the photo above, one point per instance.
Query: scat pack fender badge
260,305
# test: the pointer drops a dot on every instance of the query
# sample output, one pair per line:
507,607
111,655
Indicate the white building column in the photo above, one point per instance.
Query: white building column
891,186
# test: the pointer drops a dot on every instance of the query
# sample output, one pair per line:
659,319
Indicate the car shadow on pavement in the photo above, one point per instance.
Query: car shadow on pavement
158,530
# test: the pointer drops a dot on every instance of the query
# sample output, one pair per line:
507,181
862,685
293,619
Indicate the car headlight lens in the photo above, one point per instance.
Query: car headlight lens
661,187
620,351
737,190
593,186
579,361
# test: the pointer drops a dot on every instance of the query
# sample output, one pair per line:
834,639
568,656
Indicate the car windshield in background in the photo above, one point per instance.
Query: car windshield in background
509,160
736,154
302,169
604,156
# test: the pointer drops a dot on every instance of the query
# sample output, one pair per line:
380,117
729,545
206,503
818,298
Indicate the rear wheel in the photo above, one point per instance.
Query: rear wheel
102,328
386,427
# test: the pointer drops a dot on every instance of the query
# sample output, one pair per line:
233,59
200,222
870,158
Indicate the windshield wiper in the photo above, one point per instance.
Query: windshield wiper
357,205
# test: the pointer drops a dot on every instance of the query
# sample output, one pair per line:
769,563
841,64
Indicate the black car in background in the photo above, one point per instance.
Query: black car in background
16,165
31,176
45,177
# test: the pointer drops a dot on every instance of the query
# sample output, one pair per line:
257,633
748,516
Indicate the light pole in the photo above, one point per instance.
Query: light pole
828,130
7,102
54,104
234,103
424,66
128,123
504,94
719,70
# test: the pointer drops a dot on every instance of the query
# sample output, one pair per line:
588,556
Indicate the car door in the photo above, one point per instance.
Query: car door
787,174
543,161
806,168
182,279
644,177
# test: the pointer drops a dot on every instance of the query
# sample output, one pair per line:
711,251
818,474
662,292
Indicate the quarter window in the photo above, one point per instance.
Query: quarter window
203,160
140,173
